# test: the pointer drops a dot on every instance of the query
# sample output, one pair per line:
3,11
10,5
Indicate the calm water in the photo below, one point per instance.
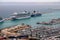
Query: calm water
33,20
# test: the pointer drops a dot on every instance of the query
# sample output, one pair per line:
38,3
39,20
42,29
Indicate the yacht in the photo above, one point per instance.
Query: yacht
35,14
21,15
1,19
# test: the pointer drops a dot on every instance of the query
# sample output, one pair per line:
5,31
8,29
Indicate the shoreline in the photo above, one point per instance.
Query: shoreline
12,30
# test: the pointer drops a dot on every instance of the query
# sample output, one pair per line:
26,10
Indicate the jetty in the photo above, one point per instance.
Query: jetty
52,22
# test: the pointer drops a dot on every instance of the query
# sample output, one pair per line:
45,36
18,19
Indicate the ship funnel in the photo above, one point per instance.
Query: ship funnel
34,11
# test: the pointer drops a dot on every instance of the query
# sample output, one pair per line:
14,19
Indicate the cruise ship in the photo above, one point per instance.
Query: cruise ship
1,19
21,15
35,14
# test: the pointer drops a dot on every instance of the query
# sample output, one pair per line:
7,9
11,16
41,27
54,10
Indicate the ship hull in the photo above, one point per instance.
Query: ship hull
21,18
33,15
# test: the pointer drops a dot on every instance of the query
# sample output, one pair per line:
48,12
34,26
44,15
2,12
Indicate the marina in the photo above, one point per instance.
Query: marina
35,27
44,18
29,20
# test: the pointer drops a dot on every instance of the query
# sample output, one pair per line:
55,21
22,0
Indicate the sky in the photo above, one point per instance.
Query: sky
29,0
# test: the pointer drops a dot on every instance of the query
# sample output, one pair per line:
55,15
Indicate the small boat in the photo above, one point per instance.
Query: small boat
21,15
35,14
1,19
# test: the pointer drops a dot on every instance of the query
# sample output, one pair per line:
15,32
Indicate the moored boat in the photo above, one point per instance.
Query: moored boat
35,14
24,15
21,15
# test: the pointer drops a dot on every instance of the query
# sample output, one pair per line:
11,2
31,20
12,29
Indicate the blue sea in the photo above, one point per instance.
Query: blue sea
48,11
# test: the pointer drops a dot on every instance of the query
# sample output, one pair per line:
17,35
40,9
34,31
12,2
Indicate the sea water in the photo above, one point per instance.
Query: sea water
33,20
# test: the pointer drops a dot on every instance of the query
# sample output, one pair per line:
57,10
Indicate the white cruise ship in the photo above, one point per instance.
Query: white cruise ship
21,15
